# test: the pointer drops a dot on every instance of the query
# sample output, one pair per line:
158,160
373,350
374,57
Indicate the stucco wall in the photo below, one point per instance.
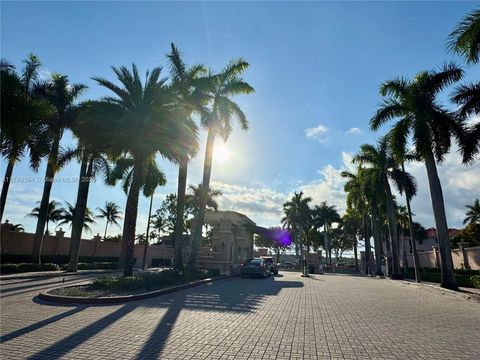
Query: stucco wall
19,243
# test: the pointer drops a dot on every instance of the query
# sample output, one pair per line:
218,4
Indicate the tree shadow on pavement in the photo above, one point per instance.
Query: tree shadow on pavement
240,296
244,298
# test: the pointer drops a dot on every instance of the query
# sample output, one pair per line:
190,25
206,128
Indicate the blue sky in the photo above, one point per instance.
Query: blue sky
316,68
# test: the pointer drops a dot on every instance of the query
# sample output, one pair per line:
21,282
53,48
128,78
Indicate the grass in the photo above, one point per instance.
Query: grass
139,283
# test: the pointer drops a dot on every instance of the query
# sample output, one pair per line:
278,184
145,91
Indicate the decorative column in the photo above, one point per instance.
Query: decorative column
97,239
59,236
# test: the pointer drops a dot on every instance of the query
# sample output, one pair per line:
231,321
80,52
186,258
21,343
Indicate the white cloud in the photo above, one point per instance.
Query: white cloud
354,131
317,133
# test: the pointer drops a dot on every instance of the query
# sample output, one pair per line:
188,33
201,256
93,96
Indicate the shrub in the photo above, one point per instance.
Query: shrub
54,259
475,280
150,280
161,262
27,267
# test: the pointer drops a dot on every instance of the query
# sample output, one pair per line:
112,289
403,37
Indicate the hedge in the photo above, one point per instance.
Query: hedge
27,267
162,262
54,259
149,280
435,277
475,280
95,266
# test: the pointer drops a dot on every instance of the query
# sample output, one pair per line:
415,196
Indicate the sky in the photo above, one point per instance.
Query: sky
316,68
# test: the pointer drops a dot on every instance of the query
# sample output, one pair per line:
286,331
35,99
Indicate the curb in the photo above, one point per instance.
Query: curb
124,298
436,288
53,274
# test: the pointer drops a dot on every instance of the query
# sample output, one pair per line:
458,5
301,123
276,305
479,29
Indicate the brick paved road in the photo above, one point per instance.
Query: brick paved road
287,317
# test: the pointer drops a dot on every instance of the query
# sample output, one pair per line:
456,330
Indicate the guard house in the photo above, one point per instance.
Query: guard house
231,242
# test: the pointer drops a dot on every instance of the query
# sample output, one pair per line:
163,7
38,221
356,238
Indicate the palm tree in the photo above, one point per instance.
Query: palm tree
141,120
352,226
473,213
54,213
324,215
218,121
111,213
187,88
22,115
464,40
382,167
414,103
67,217
298,213
194,198
17,228
401,155
62,96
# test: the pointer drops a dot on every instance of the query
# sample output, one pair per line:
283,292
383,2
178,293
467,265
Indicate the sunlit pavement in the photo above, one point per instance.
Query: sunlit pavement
286,317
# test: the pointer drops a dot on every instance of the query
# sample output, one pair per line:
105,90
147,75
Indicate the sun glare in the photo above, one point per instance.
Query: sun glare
221,153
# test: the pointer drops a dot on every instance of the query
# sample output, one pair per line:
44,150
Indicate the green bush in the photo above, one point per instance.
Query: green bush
467,272
27,267
54,259
150,280
435,277
157,262
475,280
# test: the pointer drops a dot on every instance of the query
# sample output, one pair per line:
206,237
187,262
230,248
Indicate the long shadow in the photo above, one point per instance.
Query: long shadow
63,346
37,287
233,295
38,325
212,298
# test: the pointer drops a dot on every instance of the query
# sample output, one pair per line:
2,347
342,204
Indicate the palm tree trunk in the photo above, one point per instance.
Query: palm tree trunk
448,279
416,263
5,186
145,266
43,211
80,209
367,243
355,254
325,243
178,231
106,226
207,170
392,226
377,241
130,221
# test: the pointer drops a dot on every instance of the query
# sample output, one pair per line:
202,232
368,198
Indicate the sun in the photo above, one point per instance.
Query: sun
221,153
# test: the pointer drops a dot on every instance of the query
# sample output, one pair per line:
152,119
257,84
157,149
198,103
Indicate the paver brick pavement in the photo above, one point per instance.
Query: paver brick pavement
286,317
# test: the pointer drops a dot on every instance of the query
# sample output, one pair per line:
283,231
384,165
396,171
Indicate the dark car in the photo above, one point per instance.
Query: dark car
271,264
254,267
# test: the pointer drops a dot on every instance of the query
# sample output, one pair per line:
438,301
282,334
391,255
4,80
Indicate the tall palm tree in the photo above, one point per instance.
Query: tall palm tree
140,120
54,213
218,121
324,215
193,198
111,213
352,226
380,168
22,115
62,96
473,213
92,163
414,104
401,155
186,84
297,211
464,40
67,217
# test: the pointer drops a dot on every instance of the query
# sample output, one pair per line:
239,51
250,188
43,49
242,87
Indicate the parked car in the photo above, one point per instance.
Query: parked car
254,267
271,264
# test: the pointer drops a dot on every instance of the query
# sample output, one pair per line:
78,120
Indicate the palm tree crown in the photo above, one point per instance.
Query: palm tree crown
473,213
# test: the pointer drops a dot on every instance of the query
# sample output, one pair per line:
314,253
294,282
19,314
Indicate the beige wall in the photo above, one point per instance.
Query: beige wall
19,243
429,259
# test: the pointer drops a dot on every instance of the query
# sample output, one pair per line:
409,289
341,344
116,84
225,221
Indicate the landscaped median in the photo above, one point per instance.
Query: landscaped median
117,289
